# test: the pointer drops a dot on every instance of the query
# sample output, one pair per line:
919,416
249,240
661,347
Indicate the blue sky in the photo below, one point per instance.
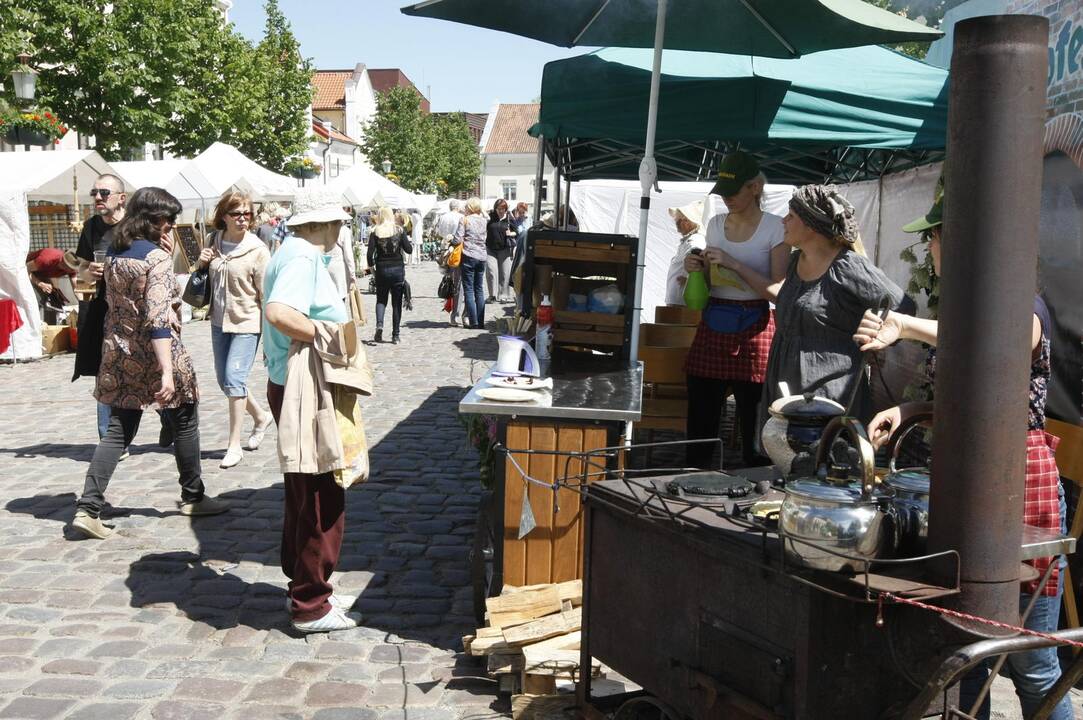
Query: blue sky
466,68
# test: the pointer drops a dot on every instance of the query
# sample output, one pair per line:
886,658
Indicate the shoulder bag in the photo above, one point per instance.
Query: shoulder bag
197,291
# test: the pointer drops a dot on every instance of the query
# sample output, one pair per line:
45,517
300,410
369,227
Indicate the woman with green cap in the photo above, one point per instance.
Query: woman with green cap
1034,672
734,336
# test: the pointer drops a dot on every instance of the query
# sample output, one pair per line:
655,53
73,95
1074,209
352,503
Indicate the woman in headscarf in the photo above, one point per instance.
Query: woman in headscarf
828,286
387,242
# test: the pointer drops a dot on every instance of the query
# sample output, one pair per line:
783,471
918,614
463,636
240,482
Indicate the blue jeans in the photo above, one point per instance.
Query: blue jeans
1035,672
104,413
474,290
234,354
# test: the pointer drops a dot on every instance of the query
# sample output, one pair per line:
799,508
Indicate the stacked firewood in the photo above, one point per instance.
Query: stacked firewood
531,641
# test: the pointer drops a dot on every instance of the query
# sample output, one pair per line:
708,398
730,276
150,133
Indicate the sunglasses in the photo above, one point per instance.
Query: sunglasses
103,192
238,213
170,219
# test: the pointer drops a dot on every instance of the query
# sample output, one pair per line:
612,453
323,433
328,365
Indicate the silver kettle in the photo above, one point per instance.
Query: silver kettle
909,490
838,518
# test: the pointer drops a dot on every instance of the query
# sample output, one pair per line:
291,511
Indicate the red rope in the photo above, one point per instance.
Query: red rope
985,621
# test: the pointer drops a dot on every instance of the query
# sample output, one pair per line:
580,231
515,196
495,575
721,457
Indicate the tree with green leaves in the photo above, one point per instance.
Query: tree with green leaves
428,153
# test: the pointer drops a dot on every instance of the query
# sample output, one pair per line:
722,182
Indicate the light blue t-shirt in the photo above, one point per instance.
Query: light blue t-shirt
297,276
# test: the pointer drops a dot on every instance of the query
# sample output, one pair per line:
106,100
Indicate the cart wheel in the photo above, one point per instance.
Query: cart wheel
645,708
481,558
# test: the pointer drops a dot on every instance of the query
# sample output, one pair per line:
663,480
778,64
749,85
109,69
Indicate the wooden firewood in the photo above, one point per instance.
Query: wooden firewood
487,645
541,707
570,590
505,662
539,684
517,608
556,663
567,641
543,628
467,639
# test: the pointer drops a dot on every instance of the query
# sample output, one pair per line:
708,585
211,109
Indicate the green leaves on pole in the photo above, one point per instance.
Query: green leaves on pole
428,153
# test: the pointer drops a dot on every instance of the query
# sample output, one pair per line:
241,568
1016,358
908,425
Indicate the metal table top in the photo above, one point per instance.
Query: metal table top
613,395
1039,543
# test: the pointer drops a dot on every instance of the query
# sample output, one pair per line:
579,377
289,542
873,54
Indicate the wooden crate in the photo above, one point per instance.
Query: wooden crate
553,551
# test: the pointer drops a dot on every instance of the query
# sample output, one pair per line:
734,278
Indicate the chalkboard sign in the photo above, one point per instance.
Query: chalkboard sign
190,243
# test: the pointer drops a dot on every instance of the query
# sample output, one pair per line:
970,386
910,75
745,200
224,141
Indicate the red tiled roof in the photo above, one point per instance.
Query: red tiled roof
329,134
383,79
509,131
474,121
330,89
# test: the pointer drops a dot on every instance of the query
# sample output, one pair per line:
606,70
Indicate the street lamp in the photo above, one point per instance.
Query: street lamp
24,79
386,166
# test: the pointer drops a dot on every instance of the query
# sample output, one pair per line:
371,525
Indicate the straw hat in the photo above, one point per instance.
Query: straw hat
693,212
318,204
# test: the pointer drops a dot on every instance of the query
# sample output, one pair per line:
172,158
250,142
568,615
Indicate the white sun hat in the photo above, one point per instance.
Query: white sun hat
317,205
693,212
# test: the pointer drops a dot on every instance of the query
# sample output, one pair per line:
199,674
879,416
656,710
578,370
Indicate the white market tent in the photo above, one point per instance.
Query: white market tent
363,187
224,166
181,178
61,176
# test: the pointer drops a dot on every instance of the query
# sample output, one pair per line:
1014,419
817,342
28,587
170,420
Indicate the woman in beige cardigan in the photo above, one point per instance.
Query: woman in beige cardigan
237,260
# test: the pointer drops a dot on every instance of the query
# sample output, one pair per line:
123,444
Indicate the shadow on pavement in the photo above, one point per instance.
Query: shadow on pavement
478,347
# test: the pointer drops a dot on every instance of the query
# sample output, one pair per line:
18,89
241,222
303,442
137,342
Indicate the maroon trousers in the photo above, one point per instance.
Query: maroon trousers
312,527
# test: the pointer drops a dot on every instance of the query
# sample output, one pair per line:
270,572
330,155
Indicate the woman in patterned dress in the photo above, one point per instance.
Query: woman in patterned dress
1034,672
143,360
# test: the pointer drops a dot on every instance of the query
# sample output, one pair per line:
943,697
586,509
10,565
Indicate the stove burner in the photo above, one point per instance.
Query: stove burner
708,485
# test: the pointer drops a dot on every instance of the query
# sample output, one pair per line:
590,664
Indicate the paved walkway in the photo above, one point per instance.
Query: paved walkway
177,618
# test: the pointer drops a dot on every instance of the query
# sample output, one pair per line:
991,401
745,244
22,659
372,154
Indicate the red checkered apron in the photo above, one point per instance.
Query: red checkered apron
733,356
1041,499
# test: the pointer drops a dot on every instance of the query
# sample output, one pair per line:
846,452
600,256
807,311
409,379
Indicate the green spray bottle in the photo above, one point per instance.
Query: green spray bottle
696,291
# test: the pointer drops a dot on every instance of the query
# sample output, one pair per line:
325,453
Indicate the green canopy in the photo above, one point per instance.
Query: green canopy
843,114
767,28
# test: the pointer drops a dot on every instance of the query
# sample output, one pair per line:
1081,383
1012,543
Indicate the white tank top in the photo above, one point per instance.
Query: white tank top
754,252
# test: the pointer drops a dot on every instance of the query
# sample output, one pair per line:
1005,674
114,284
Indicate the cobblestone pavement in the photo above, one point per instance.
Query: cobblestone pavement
174,618
181,619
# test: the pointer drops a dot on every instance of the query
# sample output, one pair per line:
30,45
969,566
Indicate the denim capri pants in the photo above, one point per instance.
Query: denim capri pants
234,354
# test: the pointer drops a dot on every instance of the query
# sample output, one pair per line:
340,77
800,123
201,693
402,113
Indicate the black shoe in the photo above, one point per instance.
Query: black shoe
395,339
378,336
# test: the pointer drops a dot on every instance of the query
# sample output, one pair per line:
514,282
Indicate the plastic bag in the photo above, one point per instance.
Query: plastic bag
606,299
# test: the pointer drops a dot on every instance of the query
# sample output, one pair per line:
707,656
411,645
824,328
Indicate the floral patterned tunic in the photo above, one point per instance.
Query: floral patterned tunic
140,287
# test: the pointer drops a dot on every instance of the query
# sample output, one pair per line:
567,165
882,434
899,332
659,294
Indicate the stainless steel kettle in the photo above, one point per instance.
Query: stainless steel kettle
837,519
909,490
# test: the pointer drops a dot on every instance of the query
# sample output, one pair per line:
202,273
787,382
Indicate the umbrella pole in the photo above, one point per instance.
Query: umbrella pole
648,174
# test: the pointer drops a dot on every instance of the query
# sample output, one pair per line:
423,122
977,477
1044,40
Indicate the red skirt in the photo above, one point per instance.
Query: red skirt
733,356
1041,499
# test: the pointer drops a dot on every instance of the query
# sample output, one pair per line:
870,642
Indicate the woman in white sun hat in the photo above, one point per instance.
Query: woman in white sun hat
298,289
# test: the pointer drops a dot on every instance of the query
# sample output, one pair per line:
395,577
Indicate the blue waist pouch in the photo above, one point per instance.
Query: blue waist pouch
732,318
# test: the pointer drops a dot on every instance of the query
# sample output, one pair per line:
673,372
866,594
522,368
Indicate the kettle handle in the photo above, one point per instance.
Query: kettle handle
861,438
905,429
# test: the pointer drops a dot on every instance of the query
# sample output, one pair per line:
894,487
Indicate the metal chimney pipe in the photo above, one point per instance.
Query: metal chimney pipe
993,180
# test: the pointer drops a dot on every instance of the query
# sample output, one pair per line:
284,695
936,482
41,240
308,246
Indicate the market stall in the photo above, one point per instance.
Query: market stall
181,178
365,188
224,166
58,179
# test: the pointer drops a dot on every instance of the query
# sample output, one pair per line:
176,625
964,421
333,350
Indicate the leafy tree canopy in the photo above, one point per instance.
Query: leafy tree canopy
128,72
428,153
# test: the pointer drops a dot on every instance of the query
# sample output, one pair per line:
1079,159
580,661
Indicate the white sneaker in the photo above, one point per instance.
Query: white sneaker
342,602
336,619
124,456
232,458
93,527
256,438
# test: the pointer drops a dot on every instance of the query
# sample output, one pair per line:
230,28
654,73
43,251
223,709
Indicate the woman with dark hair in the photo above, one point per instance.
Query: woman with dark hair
143,361
828,286
500,246
387,242
236,260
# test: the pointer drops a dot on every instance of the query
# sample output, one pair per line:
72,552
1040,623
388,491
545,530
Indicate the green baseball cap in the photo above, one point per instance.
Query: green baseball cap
736,169
929,220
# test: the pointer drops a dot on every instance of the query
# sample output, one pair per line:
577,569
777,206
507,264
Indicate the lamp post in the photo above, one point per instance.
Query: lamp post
386,166
24,80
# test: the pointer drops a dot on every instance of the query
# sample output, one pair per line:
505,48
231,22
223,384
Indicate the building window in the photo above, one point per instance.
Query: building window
508,190
545,191
333,170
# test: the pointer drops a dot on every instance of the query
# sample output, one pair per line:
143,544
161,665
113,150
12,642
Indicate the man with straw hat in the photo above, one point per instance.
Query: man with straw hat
689,224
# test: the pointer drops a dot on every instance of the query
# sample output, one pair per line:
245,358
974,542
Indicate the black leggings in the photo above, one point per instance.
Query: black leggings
389,280
705,398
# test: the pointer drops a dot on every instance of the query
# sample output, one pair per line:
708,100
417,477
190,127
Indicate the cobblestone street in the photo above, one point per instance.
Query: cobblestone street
178,618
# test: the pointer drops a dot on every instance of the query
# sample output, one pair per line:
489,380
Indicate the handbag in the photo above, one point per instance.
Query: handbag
456,257
357,307
732,318
197,292
351,433
446,289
